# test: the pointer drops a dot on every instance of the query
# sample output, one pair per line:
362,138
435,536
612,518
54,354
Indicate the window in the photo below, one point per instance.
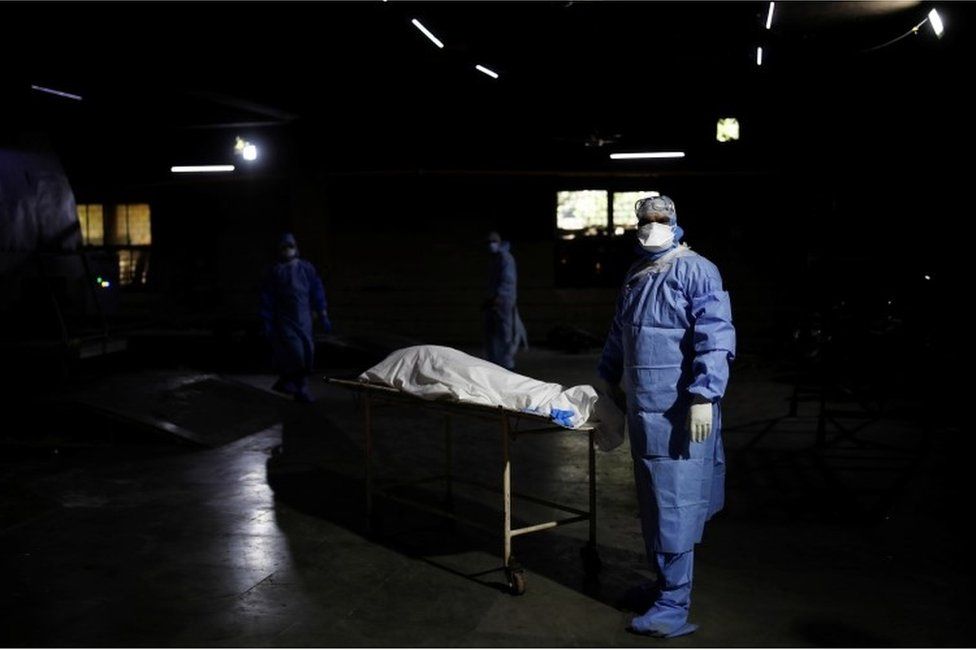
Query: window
727,129
90,218
125,229
131,234
583,212
131,225
596,236
133,266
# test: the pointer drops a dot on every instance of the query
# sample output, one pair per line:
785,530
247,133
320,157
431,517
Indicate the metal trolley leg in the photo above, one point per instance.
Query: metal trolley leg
591,559
514,573
368,446
448,494
592,475
506,492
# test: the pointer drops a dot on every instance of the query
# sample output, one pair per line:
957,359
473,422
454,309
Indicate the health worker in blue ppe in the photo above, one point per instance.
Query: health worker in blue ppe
292,292
670,344
504,330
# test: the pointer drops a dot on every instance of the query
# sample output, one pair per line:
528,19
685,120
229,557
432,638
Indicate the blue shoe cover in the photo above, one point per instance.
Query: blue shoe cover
660,633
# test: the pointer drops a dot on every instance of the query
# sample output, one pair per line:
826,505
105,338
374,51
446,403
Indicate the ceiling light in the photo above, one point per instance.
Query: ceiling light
769,16
933,18
490,73
246,150
759,55
647,154
436,41
936,21
59,93
189,169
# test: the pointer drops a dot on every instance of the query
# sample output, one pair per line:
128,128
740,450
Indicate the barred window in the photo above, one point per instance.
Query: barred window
124,228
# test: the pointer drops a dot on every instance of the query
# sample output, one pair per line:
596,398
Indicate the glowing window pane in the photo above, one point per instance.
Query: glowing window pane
132,225
583,210
727,129
92,223
133,266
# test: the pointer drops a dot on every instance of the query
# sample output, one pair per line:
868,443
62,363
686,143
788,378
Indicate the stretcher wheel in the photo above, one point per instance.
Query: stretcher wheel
591,559
516,581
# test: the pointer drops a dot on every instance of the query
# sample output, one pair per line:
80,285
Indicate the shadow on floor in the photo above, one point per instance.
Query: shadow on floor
335,490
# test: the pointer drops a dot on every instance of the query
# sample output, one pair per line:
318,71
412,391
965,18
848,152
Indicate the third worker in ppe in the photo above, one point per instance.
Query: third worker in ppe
292,292
670,344
504,331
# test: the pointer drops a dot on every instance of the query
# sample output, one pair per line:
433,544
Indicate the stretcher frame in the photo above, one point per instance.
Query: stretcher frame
515,574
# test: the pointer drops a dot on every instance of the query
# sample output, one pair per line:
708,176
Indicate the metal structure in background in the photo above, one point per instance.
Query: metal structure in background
52,298
509,432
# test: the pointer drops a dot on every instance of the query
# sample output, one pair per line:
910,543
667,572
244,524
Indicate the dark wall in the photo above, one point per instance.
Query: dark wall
409,253
406,253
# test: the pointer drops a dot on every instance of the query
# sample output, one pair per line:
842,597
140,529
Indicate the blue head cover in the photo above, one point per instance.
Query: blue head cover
287,239
662,205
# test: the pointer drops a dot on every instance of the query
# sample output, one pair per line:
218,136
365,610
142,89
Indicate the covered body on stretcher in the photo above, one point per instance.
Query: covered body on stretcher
440,373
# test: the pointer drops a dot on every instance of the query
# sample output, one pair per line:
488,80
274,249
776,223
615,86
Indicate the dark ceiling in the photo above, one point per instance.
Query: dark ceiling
354,86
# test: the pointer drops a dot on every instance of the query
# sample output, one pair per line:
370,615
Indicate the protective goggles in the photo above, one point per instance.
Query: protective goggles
653,204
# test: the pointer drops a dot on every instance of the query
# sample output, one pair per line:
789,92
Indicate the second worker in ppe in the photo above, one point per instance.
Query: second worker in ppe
292,292
504,331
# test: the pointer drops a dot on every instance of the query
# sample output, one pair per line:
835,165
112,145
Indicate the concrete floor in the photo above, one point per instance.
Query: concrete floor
123,536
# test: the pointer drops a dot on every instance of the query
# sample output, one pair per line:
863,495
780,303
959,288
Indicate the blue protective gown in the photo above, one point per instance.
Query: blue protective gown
672,338
292,291
504,331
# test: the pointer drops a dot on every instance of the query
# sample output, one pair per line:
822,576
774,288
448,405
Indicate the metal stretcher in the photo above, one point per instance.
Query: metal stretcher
508,421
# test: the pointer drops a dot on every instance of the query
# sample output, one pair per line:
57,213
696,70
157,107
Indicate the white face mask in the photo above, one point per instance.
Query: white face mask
289,252
655,236
494,246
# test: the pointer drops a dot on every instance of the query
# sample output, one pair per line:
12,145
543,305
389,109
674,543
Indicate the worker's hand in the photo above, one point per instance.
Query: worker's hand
699,422
326,323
